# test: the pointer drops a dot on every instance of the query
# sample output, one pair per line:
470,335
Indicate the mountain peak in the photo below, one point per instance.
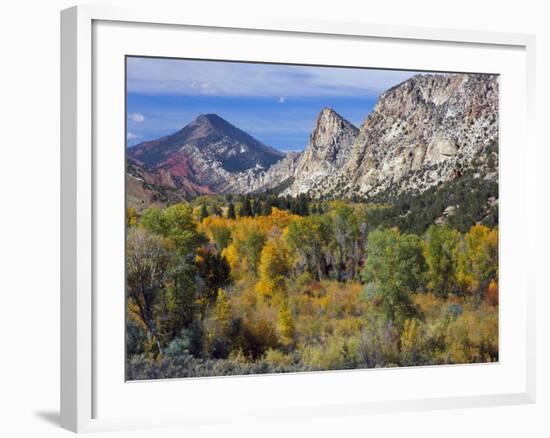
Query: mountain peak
329,113
329,126
207,142
210,117
328,149
212,121
329,120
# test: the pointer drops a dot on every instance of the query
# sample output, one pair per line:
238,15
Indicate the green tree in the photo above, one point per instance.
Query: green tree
148,262
219,341
395,266
252,247
221,235
177,304
441,251
176,224
346,238
215,273
299,205
153,220
310,238
256,207
174,304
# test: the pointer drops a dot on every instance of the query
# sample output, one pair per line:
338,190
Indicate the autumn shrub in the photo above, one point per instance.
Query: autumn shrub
277,359
378,342
478,261
190,341
491,293
347,327
304,282
258,330
335,354
472,337
342,299
429,304
177,347
311,329
413,340
135,338
141,368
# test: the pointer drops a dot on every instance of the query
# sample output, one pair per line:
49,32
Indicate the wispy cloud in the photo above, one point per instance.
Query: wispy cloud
264,123
136,117
195,78
276,103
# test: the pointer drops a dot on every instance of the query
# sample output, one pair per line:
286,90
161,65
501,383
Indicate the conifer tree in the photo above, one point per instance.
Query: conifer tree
231,211
246,208
204,212
256,207
266,208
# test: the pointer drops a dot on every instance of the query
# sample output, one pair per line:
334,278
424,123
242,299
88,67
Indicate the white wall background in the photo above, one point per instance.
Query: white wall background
29,216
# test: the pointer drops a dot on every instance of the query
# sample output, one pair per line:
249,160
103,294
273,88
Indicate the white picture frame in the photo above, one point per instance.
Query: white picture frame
83,251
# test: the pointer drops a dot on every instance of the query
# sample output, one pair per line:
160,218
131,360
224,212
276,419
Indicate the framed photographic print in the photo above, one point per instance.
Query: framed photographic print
291,219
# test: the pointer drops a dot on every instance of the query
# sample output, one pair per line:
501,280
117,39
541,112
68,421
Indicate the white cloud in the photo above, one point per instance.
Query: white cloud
131,136
281,99
136,117
195,78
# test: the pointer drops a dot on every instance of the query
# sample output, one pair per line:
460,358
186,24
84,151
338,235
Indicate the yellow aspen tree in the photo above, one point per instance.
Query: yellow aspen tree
273,268
285,325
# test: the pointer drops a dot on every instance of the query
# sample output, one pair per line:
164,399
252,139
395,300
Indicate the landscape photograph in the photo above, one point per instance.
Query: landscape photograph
297,218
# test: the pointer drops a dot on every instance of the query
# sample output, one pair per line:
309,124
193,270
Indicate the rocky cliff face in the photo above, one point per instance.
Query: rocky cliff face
145,188
328,150
424,131
427,130
277,178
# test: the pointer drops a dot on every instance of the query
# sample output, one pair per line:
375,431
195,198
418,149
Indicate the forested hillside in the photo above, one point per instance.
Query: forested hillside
224,285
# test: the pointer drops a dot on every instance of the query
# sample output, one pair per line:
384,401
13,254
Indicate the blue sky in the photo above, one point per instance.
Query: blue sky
275,103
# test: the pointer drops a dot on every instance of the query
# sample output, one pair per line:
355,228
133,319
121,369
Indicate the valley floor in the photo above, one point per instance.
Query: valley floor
335,330
240,288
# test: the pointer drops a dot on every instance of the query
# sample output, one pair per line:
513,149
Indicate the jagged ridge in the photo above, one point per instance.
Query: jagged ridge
424,131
